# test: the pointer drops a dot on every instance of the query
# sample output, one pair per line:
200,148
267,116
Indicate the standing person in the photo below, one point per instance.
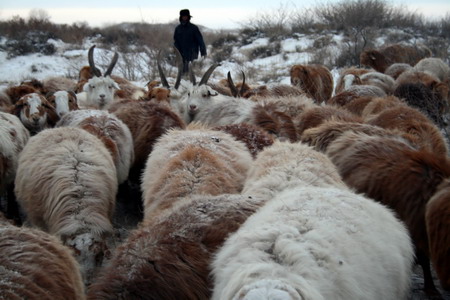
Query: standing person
188,39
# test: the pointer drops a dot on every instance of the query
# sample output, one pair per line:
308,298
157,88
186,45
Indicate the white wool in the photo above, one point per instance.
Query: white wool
325,243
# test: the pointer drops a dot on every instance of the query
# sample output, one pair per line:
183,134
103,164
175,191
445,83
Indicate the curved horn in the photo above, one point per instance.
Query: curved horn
94,70
191,75
234,91
207,74
112,64
179,61
161,73
241,91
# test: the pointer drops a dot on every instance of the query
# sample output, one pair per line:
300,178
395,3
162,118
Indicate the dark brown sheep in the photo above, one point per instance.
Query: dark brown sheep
394,173
313,117
315,80
380,59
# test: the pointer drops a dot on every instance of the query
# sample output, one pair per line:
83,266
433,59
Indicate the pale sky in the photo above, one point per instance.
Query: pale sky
225,14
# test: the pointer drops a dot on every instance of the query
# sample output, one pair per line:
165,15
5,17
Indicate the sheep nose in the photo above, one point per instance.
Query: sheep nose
35,117
192,107
102,96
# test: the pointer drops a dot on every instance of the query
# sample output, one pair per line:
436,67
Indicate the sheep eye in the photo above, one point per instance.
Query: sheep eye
215,139
189,94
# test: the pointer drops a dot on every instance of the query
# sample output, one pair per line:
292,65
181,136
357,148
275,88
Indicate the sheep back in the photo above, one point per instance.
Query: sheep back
35,265
316,243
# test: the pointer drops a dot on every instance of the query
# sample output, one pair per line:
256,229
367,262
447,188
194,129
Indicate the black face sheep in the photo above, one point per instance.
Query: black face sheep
66,184
315,239
35,265
392,172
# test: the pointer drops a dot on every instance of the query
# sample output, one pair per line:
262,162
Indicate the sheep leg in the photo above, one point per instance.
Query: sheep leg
429,287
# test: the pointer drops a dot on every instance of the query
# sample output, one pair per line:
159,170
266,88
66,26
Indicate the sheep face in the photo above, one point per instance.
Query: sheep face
197,98
63,102
89,251
31,109
100,91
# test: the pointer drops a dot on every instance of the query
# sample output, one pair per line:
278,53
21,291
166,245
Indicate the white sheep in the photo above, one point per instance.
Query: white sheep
66,184
99,90
434,66
110,130
315,238
283,165
316,243
13,137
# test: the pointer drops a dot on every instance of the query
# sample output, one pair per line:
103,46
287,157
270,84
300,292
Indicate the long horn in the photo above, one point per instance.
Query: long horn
94,70
241,92
179,61
191,75
207,74
112,64
234,91
161,73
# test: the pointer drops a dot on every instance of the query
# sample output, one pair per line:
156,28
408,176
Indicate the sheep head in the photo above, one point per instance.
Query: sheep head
35,112
198,95
100,88
89,250
63,101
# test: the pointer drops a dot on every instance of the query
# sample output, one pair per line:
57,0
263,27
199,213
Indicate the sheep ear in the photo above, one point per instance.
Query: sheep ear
49,94
372,57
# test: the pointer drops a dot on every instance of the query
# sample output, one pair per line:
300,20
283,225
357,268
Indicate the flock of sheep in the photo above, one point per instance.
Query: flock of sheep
314,190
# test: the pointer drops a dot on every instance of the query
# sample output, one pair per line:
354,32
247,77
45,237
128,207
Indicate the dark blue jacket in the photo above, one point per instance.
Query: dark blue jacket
189,40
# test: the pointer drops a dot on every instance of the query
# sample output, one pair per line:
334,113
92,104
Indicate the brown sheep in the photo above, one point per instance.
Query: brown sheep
356,91
313,117
252,136
418,129
35,265
315,80
169,256
378,104
380,59
16,92
321,136
437,217
147,122
392,172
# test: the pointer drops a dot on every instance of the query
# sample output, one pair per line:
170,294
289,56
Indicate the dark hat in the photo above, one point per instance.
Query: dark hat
185,12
